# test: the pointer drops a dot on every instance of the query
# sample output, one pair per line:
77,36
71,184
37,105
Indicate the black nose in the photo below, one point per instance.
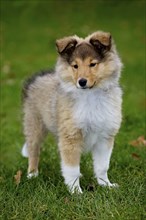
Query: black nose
82,82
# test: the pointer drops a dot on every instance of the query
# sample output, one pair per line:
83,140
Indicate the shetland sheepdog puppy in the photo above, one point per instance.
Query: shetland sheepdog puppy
79,102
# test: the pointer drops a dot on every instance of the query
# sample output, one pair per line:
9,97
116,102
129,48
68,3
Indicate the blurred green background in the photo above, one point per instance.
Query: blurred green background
28,33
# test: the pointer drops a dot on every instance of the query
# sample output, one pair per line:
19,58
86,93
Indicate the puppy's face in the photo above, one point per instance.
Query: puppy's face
85,61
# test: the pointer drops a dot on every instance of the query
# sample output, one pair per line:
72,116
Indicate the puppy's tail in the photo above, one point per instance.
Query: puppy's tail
24,151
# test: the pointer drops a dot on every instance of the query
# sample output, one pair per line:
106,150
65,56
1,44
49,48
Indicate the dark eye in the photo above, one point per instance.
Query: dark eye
75,66
92,64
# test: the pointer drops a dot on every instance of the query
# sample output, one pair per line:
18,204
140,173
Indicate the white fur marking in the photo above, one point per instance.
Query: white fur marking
24,151
32,174
101,157
71,175
97,111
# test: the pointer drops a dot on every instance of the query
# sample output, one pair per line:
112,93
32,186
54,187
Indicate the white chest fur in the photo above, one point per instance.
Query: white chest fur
98,113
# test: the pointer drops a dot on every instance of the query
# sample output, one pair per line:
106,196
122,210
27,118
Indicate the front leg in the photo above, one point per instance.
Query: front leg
101,158
70,146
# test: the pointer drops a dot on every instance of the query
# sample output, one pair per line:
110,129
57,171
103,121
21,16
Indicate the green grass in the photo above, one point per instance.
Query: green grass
29,30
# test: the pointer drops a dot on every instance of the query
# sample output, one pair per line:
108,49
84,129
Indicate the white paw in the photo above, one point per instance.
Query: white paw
113,185
107,183
71,176
75,189
32,175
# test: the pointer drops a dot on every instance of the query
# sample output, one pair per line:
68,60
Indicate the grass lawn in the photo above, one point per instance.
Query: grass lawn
29,30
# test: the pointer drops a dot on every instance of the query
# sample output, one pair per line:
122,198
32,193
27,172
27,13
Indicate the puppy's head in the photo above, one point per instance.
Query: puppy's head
86,62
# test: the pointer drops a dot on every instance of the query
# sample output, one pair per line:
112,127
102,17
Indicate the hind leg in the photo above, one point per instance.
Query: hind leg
34,133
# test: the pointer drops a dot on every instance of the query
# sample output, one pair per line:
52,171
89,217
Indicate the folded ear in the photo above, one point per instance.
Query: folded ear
66,45
101,41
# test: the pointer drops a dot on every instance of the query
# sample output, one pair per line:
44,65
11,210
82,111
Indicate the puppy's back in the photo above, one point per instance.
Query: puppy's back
40,97
36,81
